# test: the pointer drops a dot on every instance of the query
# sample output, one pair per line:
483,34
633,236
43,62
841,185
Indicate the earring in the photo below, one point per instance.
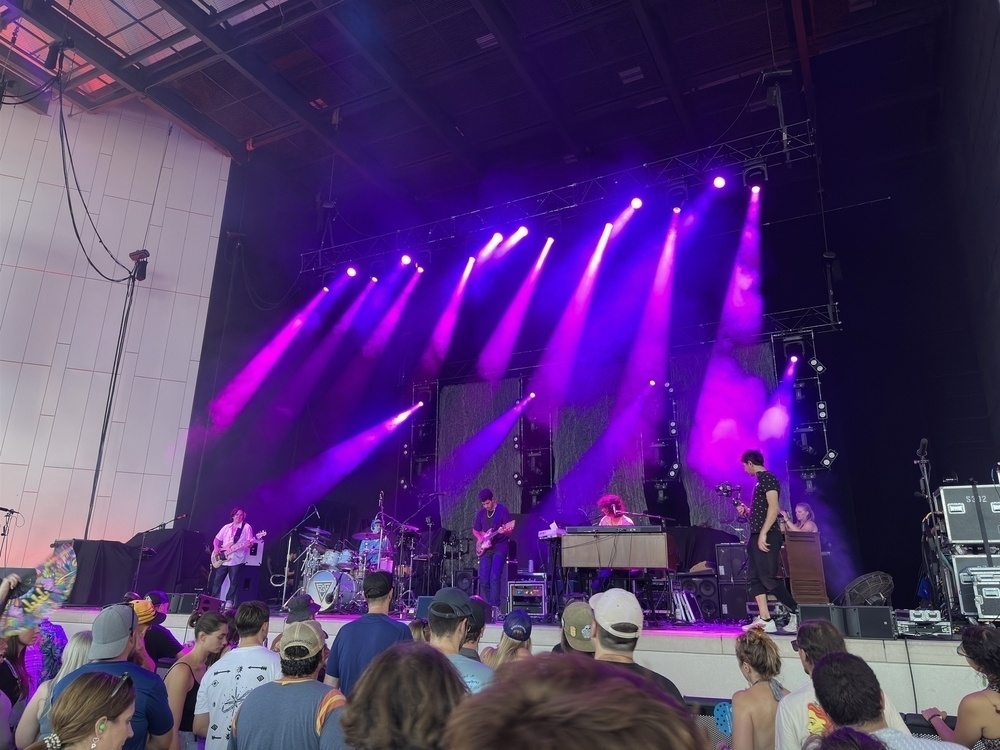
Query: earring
94,742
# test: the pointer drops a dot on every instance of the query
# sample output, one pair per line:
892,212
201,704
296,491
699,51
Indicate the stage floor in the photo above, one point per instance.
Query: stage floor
701,660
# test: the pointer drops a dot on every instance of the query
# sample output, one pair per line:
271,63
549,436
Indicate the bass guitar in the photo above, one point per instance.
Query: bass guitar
487,541
219,558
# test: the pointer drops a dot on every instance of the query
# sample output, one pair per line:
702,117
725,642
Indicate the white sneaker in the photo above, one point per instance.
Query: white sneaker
793,623
759,623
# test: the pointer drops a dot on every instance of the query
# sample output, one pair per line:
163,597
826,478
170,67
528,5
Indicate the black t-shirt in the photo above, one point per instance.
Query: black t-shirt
484,523
766,481
161,644
655,677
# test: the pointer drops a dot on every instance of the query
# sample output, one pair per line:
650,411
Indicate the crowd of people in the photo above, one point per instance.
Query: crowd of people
381,684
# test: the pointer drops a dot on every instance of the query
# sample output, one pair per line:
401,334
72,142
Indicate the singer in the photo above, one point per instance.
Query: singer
613,512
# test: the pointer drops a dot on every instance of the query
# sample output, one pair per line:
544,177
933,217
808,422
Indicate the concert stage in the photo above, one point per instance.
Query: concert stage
701,661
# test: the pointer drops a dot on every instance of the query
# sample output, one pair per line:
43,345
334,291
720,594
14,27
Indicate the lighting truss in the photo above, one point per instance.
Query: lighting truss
771,148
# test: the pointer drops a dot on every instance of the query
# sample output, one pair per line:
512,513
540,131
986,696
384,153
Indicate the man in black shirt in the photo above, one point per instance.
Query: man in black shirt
764,545
160,642
491,529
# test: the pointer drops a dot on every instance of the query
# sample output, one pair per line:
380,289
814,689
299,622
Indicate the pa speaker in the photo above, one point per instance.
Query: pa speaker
465,579
423,604
704,588
732,602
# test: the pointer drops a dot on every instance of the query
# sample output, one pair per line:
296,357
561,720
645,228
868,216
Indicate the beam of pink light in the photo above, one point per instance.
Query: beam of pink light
623,218
379,338
648,358
310,481
743,310
552,378
505,246
234,396
495,355
489,247
462,466
774,423
440,340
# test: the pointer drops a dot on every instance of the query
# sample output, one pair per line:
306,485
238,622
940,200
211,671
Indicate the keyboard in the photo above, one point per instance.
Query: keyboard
614,530
551,533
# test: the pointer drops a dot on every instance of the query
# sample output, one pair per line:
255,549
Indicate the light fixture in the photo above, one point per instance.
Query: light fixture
672,428
818,366
821,410
829,458
677,195
518,479
754,174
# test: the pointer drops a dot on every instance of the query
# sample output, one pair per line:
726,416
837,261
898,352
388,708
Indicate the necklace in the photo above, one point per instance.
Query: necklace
491,514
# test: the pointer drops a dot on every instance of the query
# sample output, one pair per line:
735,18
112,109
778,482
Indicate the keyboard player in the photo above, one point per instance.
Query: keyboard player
613,512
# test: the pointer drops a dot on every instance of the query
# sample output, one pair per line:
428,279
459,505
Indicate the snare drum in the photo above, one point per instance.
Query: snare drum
346,560
386,564
328,560
331,589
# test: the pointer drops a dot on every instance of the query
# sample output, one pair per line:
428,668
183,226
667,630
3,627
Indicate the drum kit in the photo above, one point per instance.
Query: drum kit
332,572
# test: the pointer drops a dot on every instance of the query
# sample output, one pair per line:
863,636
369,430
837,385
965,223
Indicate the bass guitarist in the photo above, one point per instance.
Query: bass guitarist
492,528
230,546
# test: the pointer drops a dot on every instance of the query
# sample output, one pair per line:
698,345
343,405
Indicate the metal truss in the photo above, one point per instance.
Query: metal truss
771,148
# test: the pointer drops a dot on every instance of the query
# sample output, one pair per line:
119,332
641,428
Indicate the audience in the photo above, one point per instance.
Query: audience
146,615
615,634
476,628
553,701
301,608
845,738
448,617
515,642
51,642
402,702
421,631
185,675
361,640
96,709
755,707
849,693
115,637
74,656
799,713
576,629
160,642
227,682
294,710
15,682
978,713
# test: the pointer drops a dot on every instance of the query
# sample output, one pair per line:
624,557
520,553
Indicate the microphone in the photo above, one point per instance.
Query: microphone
922,450
7,510
181,517
617,512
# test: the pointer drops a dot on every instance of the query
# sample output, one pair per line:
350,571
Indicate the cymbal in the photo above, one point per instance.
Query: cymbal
363,535
315,530
407,528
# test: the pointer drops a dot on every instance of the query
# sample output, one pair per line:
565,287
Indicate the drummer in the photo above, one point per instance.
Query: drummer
370,551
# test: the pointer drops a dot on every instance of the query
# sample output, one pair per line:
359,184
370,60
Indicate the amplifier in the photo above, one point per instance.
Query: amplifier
528,595
731,563
960,517
986,588
186,604
962,565
733,599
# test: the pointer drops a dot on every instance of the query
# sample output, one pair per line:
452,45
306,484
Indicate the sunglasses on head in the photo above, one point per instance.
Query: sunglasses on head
124,682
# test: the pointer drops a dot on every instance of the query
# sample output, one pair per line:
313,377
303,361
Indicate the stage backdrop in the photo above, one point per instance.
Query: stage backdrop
585,467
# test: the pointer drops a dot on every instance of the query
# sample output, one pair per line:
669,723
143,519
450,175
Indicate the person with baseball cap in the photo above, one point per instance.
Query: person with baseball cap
615,635
515,643
449,616
160,642
291,711
115,633
360,641
577,623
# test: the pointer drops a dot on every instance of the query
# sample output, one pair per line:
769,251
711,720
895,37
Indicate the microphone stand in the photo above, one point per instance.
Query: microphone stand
288,556
6,527
142,545
925,487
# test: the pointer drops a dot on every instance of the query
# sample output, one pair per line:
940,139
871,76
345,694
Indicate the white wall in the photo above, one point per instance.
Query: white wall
59,320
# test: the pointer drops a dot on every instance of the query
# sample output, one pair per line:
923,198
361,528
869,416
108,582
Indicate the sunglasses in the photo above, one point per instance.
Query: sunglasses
795,645
960,651
124,682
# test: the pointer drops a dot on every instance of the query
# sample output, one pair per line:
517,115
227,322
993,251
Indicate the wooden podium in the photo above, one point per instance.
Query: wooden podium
805,567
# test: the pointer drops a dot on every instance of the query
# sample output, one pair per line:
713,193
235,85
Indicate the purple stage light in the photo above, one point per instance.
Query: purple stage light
652,382
719,182
531,395
490,247
440,340
755,189
352,271
406,260
326,289
636,203
794,358
420,403
677,209
374,279
420,269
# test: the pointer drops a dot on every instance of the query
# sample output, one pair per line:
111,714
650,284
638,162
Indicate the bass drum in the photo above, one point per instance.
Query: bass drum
331,590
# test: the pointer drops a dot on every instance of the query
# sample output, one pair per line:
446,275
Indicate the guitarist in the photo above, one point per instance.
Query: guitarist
230,536
492,529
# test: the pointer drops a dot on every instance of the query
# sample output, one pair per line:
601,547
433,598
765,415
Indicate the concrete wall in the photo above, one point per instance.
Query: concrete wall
59,321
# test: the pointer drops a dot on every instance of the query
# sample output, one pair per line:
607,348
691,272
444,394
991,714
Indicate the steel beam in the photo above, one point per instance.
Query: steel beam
503,28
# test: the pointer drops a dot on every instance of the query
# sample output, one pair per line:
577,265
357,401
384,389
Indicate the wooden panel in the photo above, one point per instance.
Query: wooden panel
615,550
805,567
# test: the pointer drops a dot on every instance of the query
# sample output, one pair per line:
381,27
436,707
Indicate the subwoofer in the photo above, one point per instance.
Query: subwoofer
705,590
465,579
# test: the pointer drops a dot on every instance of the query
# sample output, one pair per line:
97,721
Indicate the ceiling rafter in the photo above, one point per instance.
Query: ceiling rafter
498,19
349,22
228,46
57,24
659,45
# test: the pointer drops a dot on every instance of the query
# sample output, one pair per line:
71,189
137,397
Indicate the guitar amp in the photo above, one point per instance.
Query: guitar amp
531,596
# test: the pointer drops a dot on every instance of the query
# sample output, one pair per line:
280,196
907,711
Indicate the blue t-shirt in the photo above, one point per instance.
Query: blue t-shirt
474,674
358,642
152,712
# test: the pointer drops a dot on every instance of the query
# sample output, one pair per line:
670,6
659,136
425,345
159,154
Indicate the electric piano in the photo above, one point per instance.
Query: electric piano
616,547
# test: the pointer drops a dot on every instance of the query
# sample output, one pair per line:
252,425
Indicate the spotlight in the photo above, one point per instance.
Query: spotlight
755,189
420,269
406,260
676,209
374,279
829,458
352,271
652,382
636,203
674,469
818,366
531,395
669,387
719,182
793,358
472,258
754,175
518,479
406,449
794,348
420,403
677,195
672,428
821,410
517,442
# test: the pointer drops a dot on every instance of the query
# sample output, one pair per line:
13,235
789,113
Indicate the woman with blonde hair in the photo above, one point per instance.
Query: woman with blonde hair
211,633
755,707
93,711
805,519
420,630
515,643
74,656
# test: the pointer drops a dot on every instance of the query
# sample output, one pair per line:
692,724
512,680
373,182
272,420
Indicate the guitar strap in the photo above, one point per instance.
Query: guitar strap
236,536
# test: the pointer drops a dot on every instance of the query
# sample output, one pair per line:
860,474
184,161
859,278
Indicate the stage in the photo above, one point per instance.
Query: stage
701,661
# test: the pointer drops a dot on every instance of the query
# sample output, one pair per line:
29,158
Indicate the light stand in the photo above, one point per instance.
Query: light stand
288,556
925,488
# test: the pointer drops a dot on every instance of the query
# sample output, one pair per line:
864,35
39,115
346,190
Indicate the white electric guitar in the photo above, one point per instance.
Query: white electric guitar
487,540
219,558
